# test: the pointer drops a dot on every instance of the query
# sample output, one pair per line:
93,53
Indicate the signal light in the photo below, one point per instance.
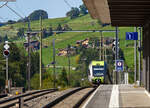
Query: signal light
6,53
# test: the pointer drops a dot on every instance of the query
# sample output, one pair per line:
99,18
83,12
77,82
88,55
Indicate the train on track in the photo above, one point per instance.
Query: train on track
97,72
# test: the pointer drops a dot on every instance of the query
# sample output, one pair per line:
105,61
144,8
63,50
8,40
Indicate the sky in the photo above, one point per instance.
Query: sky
54,8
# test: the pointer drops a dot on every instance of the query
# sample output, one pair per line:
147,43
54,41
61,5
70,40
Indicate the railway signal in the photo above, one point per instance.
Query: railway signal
6,49
114,47
6,54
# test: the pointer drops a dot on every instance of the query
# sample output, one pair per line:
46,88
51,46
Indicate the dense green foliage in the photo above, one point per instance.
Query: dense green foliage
20,32
37,14
17,66
73,13
83,9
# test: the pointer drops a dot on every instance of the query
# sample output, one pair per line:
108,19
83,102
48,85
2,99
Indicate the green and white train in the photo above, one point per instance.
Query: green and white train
97,72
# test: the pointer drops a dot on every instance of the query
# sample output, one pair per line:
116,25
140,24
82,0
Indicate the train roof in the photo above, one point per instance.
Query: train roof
98,63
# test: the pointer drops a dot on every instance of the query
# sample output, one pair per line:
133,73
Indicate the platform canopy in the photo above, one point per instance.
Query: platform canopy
119,12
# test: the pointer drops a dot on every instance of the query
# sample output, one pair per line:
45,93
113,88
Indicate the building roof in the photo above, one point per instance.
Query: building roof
119,12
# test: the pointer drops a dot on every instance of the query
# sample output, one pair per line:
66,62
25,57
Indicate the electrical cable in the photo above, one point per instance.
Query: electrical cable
4,4
67,3
20,10
14,11
2,18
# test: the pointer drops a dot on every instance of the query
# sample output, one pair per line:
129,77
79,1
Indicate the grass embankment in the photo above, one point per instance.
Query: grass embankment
63,39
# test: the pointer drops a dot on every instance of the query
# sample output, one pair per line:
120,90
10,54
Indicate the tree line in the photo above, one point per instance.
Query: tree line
17,62
76,12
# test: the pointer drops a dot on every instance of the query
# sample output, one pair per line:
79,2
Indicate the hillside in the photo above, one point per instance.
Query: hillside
63,39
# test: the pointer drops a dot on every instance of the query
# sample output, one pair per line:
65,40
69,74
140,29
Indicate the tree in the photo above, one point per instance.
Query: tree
36,15
89,54
1,39
17,65
20,32
45,34
63,77
83,9
59,28
50,31
99,22
23,20
94,42
77,59
73,13
11,22
6,38
66,27
34,63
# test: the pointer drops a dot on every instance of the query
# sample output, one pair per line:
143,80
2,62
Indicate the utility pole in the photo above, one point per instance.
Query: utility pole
140,77
68,52
106,54
54,73
41,34
135,56
103,50
100,52
116,54
29,55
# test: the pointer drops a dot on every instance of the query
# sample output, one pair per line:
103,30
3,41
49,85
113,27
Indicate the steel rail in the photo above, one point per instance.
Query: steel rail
43,92
79,103
59,99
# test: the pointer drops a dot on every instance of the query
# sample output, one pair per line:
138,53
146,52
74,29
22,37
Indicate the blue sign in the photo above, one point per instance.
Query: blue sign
131,35
119,65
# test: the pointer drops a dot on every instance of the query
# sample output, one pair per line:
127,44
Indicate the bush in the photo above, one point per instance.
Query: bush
63,80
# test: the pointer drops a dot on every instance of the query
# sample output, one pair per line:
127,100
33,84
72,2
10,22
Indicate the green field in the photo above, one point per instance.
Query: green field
63,39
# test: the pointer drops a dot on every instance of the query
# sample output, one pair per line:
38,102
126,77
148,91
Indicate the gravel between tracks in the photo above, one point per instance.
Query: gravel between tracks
43,100
73,99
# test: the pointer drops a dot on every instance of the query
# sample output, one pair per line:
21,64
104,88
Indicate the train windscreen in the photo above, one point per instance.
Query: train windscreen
98,71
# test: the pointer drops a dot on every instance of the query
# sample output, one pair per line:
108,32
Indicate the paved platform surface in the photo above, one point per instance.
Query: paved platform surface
118,96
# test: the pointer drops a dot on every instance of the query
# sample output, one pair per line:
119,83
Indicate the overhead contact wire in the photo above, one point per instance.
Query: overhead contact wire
3,5
14,11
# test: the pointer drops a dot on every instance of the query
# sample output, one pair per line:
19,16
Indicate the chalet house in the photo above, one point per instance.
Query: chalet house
84,42
64,52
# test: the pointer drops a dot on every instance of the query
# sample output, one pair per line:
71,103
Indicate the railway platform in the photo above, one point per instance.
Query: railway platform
118,96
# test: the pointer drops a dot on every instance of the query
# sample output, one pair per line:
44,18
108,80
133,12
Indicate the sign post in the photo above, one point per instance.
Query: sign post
133,36
119,65
126,80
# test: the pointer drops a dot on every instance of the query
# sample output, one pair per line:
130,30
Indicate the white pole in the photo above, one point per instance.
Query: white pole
140,56
135,55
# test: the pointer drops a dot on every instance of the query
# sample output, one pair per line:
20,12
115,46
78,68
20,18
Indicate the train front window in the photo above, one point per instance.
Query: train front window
98,71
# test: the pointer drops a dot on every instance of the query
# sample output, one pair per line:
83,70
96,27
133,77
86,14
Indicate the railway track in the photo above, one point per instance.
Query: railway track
3,95
72,99
12,101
